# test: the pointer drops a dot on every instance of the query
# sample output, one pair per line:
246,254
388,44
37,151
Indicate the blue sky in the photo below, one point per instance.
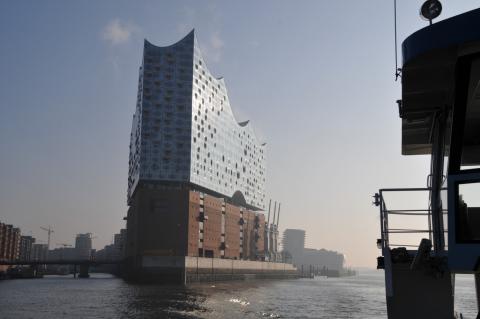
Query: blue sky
316,78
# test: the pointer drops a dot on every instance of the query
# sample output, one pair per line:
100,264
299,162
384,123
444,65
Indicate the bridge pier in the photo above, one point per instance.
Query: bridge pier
34,270
84,271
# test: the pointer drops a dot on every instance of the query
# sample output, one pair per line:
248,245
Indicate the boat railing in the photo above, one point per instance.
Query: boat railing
386,230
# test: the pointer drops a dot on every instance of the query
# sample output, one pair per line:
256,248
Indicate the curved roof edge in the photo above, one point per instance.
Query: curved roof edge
246,124
191,34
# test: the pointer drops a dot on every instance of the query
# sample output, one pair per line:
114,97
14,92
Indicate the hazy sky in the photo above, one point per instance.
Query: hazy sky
316,78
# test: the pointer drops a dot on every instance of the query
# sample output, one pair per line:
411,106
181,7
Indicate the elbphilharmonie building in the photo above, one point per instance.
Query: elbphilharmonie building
196,182
184,131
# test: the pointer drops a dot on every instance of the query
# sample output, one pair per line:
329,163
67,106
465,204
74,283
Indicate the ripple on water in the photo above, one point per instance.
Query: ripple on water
106,297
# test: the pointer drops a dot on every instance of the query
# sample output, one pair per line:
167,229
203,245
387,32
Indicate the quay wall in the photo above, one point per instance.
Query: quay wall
183,270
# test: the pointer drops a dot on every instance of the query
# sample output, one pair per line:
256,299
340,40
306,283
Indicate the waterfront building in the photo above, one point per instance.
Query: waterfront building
61,253
115,251
26,243
119,239
9,242
83,246
323,259
39,252
83,241
196,181
294,243
3,241
64,253
109,253
327,262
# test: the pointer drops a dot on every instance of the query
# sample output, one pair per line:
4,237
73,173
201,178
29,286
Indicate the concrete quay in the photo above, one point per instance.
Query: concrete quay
185,270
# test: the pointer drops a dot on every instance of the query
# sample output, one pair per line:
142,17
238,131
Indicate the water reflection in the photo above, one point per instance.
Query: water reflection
103,296
152,301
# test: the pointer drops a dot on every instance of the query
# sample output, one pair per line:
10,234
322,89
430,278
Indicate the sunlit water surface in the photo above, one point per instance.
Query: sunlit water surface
103,296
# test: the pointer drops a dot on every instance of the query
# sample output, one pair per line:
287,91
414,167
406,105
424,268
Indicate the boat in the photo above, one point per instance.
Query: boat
440,115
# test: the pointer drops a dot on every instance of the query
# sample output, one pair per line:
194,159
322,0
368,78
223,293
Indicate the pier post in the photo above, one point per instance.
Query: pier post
84,271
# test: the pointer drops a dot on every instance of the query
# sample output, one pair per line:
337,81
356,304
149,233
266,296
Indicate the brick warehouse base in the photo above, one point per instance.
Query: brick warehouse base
164,221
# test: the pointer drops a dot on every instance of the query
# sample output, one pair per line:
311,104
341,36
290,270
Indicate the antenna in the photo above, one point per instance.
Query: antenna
398,71
49,230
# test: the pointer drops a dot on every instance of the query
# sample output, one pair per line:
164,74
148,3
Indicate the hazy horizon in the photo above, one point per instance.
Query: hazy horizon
316,79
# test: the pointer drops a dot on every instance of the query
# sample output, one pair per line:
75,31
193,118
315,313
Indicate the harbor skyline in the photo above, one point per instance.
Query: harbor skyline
68,84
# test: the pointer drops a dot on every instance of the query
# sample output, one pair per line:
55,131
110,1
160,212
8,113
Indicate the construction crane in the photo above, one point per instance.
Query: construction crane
49,230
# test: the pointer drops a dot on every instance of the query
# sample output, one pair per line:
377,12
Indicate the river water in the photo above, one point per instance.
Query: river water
103,296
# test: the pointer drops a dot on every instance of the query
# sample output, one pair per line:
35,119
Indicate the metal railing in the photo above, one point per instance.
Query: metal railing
385,230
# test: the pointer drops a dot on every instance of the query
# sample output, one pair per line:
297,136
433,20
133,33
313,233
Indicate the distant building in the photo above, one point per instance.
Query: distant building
115,251
39,252
323,259
119,239
83,246
82,250
83,241
64,253
306,258
26,246
9,242
108,253
294,243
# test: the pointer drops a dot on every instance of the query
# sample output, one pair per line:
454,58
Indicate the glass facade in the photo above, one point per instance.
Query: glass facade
184,130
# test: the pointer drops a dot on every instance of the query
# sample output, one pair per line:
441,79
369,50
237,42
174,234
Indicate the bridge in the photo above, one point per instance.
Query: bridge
83,264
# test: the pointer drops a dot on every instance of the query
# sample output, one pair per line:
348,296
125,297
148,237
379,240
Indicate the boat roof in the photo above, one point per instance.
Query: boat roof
428,75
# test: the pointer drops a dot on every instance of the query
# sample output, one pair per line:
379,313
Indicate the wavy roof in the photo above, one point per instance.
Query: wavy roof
191,37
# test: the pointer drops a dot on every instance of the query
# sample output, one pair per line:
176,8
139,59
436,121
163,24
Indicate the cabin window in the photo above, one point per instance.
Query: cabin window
471,129
468,212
